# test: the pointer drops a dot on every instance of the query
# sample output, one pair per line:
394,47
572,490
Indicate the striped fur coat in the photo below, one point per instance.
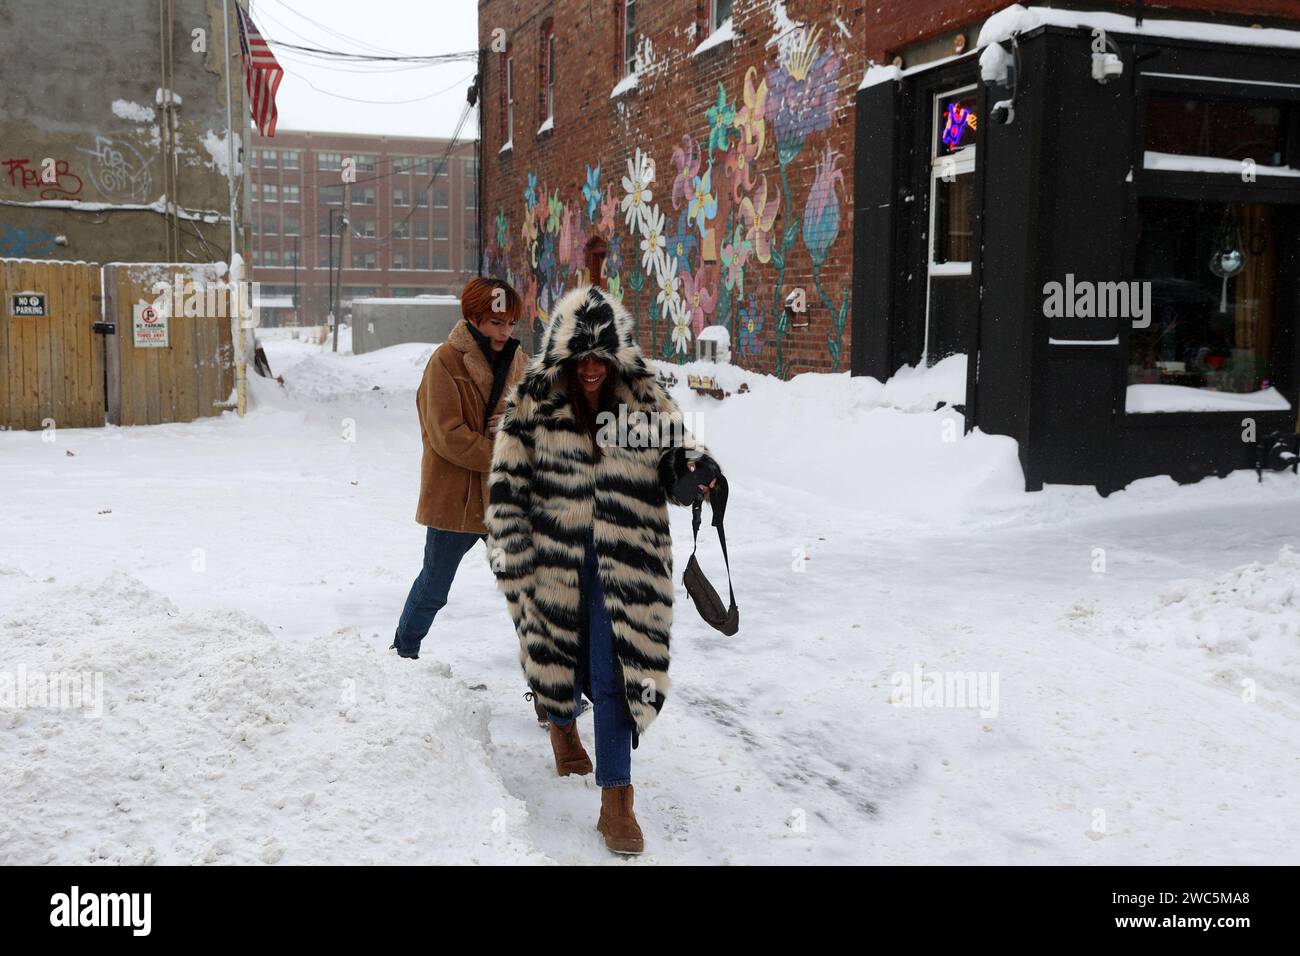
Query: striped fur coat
546,492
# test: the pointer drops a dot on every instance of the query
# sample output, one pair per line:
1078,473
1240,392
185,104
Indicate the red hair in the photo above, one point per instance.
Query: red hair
481,294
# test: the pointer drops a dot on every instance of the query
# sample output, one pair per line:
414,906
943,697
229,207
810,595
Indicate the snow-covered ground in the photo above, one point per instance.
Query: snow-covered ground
234,586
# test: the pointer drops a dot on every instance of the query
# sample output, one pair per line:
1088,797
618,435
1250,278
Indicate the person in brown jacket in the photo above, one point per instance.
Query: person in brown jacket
460,401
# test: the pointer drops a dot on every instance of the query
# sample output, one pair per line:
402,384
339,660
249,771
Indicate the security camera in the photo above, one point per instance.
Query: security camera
1003,112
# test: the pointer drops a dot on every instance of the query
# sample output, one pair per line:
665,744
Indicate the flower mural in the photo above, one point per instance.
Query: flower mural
591,192
637,192
681,329
686,159
801,94
751,324
758,213
698,299
735,254
682,242
703,205
608,208
821,214
722,121
668,280
653,242
821,224
503,227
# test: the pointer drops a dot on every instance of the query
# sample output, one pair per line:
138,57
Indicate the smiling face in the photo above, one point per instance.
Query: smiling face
591,376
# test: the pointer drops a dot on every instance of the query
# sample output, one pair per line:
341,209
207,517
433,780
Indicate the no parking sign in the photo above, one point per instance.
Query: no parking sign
150,327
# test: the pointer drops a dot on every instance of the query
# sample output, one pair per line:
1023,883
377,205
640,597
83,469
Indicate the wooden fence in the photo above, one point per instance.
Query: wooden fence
51,360
81,344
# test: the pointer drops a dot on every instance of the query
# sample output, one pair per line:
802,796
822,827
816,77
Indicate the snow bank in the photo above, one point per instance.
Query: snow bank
1242,629
854,442
221,742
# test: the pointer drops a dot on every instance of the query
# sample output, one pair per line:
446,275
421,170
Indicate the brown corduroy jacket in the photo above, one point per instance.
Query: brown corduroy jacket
457,452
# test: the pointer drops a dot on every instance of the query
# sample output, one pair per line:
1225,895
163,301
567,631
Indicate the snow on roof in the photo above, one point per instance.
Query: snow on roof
1020,19
1017,19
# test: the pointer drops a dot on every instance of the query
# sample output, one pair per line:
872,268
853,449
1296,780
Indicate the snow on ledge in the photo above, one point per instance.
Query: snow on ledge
723,34
624,85
1149,398
506,146
547,126
1020,19
1210,164
880,74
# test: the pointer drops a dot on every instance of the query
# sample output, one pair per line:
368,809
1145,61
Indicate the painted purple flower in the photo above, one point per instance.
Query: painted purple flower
801,94
821,215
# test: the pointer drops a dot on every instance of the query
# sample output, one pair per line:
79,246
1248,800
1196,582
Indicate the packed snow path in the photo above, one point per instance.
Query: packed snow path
236,584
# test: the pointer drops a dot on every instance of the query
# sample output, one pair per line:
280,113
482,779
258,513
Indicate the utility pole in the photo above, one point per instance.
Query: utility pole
343,230
329,276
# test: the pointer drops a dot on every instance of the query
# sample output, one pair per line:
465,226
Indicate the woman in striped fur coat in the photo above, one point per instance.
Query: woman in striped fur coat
579,541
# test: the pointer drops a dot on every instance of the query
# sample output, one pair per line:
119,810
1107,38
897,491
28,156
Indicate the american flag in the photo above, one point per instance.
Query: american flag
262,73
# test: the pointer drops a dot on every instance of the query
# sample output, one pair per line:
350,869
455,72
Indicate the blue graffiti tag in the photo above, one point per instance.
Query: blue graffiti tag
20,242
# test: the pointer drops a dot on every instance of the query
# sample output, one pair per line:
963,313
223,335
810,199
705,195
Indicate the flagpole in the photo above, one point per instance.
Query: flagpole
237,331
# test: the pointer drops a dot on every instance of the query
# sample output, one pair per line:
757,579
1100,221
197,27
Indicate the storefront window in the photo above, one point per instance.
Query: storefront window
1226,129
953,226
1214,317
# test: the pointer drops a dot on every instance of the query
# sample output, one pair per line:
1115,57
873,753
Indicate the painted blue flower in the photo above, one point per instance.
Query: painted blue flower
682,242
751,324
704,204
530,194
591,192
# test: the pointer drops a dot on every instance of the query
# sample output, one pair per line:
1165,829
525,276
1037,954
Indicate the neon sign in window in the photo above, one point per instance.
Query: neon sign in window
958,124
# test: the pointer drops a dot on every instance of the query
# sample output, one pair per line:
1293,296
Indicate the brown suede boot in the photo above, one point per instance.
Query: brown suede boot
570,757
617,821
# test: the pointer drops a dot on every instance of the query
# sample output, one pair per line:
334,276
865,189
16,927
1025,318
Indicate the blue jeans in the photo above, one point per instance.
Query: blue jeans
613,722
443,551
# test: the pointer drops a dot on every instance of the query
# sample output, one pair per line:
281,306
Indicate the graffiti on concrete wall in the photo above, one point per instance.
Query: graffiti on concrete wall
118,170
684,248
24,242
51,178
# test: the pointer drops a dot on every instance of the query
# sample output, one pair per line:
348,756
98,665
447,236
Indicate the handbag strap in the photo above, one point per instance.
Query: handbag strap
718,505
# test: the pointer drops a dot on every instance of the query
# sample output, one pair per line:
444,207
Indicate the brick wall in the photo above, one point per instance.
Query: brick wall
777,211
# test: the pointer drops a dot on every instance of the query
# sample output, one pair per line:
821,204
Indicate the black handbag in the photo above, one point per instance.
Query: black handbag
707,601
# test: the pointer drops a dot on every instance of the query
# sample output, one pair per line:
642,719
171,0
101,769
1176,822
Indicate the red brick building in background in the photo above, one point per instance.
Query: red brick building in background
736,117
405,237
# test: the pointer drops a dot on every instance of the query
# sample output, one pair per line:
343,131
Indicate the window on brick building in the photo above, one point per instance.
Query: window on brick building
290,158
546,79
627,36
422,261
400,198
719,13
421,230
291,225
290,192
329,160
441,262
507,97
439,229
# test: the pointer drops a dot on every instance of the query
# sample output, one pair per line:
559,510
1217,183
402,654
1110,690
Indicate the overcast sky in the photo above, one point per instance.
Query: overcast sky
399,99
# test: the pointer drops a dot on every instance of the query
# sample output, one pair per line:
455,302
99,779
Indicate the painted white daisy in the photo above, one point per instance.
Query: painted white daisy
654,244
636,186
669,283
681,324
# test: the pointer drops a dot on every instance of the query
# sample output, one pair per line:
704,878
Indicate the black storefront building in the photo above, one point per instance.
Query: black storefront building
1106,225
